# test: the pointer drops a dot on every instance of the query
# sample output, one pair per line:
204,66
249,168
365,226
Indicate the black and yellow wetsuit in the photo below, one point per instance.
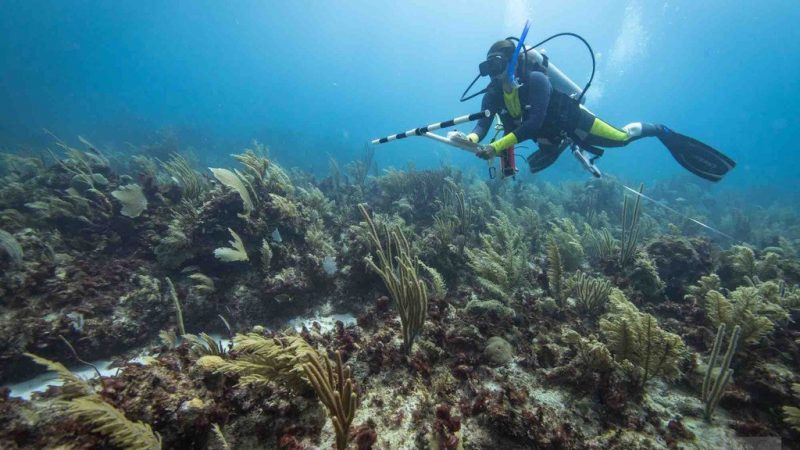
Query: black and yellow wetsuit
537,111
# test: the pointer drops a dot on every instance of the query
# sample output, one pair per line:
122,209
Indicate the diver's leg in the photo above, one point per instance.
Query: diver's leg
697,157
593,131
545,156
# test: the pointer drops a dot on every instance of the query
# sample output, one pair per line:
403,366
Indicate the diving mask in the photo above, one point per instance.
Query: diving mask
494,65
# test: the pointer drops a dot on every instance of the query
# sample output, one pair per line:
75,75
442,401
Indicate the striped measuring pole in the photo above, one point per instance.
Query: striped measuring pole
421,131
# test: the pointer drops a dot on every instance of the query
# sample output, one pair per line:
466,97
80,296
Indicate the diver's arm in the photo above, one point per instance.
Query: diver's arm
538,91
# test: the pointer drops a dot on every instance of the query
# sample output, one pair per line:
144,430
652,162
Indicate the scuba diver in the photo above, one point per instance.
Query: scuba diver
522,94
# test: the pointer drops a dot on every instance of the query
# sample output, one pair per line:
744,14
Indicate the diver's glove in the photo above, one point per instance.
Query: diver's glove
459,136
485,152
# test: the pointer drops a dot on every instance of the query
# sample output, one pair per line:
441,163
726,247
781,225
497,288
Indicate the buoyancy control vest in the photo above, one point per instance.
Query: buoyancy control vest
563,113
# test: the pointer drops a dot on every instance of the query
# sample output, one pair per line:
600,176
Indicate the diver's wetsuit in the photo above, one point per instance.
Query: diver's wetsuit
534,97
539,112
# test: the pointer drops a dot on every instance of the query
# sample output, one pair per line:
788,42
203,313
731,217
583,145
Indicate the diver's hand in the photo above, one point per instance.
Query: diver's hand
457,136
485,152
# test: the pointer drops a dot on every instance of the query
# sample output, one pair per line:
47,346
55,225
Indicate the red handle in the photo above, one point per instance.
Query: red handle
508,162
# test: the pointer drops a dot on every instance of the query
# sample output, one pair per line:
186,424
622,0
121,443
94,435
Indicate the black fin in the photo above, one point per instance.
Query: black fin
543,158
696,157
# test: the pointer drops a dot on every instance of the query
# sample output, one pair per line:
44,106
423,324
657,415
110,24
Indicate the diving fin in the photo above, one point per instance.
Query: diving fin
696,157
544,157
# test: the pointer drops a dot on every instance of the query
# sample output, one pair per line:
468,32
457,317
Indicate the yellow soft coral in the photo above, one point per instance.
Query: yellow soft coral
792,414
635,337
79,401
109,421
260,360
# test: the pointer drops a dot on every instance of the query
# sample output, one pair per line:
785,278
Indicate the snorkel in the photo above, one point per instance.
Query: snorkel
512,66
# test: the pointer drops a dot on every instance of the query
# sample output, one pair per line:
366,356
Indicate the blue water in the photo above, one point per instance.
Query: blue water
313,79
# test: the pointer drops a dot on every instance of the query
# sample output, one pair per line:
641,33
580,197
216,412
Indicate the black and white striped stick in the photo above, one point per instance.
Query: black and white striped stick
434,126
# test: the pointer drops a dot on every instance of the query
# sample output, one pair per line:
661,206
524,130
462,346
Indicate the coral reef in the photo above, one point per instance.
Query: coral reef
500,264
680,262
637,341
713,386
336,391
792,413
498,351
245,305
745,309
261,360
400,273
78,401
591,294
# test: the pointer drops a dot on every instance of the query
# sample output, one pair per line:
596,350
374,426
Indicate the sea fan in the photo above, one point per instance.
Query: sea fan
235,252
132,199
237,183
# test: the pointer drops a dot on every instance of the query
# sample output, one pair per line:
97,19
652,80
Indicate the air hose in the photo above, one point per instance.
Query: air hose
591,53
527,49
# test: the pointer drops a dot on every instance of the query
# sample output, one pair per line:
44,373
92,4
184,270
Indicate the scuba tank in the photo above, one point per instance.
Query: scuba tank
560,82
